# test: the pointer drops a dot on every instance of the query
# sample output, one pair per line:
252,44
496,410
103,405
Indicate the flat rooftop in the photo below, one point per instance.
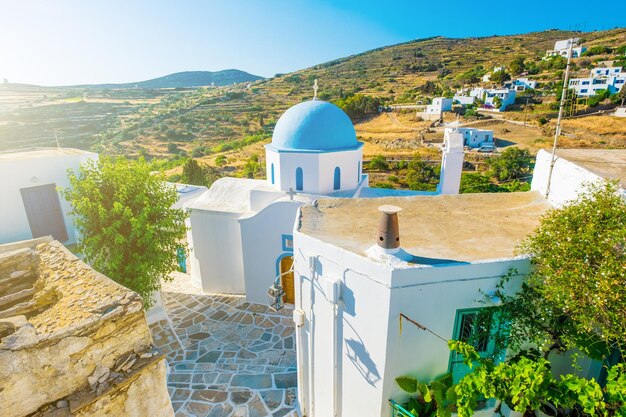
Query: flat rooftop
607,163
40,153
436,229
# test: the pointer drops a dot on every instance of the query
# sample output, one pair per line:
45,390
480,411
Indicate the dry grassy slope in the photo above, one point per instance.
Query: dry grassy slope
386,73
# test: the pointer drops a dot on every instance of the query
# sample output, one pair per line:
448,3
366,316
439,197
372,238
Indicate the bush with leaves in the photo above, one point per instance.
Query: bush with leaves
525,383
512,164
359,106
128,229
434,399
579,257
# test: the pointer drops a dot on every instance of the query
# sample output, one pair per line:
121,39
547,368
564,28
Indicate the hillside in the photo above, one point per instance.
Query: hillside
235,119
186,79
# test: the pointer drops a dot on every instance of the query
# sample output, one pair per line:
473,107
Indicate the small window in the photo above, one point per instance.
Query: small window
358,173
584,90
337,179
288,243
272,172
299,179
585,82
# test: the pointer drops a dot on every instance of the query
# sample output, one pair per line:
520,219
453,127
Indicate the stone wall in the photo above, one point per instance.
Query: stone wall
72,341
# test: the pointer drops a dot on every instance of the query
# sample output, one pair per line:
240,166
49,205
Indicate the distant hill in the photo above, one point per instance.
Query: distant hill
186,79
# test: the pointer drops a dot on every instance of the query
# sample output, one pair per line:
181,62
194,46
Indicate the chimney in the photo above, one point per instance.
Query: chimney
451,163
388,231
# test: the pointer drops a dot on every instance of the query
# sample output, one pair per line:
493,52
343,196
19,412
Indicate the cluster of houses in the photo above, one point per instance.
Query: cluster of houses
605,78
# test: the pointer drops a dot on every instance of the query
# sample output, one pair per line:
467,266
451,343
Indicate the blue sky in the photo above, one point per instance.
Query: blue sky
87,41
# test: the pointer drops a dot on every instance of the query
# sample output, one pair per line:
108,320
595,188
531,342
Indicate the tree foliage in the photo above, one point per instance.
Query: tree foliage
579,258
127,226
512,164
499,77
517,66
359,106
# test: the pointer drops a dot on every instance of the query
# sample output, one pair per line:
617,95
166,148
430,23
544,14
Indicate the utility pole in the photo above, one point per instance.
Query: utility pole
557,133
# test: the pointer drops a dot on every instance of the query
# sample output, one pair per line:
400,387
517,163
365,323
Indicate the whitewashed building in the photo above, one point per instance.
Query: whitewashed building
611,79
32,206
521,84
472,137
561,48
487,96
240,232
434,111
363,267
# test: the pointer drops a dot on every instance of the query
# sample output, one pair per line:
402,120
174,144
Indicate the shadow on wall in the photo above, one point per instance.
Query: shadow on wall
360,357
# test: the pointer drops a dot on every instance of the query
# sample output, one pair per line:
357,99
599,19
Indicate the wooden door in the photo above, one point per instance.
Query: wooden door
286,279
43,211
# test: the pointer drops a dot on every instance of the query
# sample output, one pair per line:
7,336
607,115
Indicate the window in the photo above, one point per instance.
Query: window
584,90
358,173
272,173
337,179
477,327
585,83
299,179
288,243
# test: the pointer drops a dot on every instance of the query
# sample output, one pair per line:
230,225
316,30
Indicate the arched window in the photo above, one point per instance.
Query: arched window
337,182
299,179
272,172
358,173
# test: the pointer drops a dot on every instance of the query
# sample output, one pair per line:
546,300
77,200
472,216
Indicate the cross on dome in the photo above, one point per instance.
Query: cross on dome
315,87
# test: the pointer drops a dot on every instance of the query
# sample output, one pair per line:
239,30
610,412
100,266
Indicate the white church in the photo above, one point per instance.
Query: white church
241,230
355,262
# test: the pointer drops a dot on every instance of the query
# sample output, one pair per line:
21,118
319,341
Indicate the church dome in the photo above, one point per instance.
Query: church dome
316,126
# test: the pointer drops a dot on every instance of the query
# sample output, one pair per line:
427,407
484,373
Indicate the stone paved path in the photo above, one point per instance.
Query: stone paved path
227,357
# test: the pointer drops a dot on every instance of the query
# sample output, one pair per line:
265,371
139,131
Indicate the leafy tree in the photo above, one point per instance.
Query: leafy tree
499,77
476,183
359,106
194,173
220,160
575,295
252,166
579,258
172,147
517,66
513,163
379,162
128,229
421,175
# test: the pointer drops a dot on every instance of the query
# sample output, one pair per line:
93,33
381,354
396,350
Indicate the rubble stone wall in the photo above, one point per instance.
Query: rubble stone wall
73,342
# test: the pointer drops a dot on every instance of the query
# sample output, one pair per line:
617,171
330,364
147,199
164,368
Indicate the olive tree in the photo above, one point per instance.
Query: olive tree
128,229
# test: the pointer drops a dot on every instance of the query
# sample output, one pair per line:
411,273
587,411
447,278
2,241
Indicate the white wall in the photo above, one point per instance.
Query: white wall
215,251
318,169
343,378
26,171
262,245
432,296
356,375
568,179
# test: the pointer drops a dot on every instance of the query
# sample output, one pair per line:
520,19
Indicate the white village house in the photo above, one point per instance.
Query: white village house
611,79
561,48
521,84
356,278
32,206
472,137
487,96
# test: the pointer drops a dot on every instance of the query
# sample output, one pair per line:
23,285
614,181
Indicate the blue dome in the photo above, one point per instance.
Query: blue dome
314,126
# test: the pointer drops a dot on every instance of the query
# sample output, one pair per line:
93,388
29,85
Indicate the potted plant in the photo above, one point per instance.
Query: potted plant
433,399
